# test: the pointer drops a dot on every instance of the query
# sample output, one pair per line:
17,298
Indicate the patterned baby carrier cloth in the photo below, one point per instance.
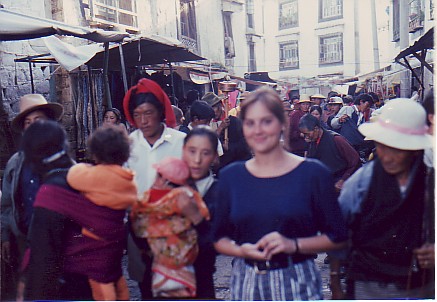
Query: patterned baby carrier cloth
172,239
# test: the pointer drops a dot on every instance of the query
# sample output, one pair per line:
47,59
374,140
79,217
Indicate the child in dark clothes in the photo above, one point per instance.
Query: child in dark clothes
109,185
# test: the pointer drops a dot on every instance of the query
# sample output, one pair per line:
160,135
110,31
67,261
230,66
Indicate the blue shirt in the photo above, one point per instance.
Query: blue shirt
300,203
29,183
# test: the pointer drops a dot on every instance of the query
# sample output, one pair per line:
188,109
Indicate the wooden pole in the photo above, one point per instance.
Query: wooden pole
123,67
31,77
105,76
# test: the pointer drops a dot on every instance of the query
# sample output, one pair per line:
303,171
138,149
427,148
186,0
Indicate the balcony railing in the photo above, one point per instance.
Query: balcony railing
190,43
289,63
415,22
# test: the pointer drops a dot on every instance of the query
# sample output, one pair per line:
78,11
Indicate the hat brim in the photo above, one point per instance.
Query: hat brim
318,97
398,140
304,101
219,100
55,110
215,103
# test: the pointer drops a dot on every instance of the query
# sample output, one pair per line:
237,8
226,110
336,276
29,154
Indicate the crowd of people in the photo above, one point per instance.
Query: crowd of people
272,184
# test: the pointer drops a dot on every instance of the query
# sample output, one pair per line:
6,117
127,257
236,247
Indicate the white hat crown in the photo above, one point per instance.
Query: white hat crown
405,116
401,125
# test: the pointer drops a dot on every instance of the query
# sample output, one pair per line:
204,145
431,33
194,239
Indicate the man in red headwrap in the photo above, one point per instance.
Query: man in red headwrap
148,108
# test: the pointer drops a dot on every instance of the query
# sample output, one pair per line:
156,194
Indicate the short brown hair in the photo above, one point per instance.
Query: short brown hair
269,98
109,145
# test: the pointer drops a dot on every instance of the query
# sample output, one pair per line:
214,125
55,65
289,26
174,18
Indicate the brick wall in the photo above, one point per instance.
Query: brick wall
15,77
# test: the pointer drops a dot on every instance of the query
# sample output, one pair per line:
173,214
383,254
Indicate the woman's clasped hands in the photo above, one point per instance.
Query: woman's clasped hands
270,244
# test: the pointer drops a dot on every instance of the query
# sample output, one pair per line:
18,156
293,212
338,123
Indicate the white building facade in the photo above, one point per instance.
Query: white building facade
307,45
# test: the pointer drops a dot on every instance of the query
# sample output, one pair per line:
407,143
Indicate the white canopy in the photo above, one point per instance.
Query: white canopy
69,56
16,26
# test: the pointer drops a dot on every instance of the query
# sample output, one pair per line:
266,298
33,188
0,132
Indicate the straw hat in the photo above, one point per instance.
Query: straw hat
318,96
304,98
212,99
33,102
336,100
401,125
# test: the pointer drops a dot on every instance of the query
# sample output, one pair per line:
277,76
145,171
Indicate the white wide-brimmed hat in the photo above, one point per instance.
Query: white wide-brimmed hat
401,125
33,102
336,100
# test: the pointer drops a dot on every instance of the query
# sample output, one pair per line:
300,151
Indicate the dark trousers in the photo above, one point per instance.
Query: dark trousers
204,267
76,288
146,285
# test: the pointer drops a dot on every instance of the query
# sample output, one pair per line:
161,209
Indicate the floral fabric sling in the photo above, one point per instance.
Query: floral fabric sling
172,239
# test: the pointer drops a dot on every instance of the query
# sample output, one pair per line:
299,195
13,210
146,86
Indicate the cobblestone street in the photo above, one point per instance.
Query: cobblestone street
223,274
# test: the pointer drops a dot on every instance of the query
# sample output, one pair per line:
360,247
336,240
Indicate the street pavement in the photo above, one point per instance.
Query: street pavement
223,275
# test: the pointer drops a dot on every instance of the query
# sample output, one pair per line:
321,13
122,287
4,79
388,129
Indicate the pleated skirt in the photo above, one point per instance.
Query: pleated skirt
300,281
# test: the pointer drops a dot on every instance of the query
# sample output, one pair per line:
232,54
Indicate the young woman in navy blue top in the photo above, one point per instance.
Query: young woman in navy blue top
199,152
275,212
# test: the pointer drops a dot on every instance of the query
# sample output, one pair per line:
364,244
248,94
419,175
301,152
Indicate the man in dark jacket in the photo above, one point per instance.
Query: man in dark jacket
234,146
347,121
294,140
20,185
330,148
389,210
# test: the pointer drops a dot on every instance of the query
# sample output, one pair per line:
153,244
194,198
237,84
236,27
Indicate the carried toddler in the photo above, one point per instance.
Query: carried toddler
171,235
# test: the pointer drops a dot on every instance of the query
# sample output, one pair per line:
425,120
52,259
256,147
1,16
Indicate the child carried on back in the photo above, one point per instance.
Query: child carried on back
170,234
109,185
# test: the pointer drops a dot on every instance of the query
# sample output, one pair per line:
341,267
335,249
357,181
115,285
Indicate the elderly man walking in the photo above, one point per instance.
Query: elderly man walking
348,119
235,147
330,148
294,139
21,183
388,210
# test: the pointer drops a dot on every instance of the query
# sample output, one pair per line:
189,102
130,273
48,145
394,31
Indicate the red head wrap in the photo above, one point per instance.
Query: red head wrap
149,86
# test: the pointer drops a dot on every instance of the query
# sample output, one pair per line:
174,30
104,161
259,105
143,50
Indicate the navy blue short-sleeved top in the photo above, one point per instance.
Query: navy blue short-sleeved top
300,203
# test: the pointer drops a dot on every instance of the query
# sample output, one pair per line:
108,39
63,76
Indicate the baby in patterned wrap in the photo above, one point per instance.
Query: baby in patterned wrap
171,235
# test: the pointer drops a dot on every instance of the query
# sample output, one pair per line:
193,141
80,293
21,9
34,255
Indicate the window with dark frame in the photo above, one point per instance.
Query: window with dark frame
330,10
249,12
396,20
229,38
416,16
252,59
188,24
289,55
115,11
288,14
331,49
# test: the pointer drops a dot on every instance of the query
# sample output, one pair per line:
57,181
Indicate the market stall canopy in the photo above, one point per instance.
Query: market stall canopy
16,26
69,56
425,42
255,79
419,51
140,51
